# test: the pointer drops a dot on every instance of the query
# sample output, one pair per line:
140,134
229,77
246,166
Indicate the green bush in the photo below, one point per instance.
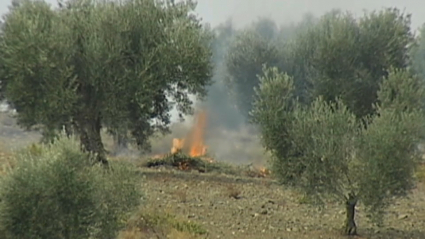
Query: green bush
58,193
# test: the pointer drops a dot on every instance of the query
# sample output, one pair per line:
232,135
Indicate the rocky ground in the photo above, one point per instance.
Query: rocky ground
242,207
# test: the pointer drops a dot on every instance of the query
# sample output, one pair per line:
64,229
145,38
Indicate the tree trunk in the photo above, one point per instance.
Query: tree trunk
121,141
68,129
91,141
350,207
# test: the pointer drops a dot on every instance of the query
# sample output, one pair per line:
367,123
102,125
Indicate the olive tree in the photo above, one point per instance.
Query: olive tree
92,64
345,57
246,55
263,42
322,148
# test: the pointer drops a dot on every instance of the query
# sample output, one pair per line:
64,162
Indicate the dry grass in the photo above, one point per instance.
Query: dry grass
181,194
7,160
420,173
149,223
233,191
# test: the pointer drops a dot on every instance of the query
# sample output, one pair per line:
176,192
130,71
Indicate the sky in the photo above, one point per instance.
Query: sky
244,12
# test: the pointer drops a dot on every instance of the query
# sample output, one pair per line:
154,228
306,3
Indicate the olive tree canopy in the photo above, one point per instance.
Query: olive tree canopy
91,64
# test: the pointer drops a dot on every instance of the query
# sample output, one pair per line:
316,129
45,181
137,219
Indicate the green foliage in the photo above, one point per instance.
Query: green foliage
322,136
166,220
94,63
247,53
402,91
388,157
272,111
420,173
343,57
387,150
322,149
54,192
265,43
337,56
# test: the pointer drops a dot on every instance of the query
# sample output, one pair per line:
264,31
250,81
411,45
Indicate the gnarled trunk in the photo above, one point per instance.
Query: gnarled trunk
91,141
350,207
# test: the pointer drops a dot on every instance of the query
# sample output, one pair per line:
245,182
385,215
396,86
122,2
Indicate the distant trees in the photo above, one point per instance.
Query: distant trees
221,107
348,58
334,56
322,149
263,42
246,55
92,64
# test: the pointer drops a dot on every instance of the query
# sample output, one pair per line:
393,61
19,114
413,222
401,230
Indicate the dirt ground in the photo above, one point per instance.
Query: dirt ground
237,207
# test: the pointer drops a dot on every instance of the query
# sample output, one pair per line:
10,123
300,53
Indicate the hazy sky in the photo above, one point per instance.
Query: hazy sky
245,11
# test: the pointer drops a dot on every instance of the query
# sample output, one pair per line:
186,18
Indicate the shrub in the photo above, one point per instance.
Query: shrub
57,193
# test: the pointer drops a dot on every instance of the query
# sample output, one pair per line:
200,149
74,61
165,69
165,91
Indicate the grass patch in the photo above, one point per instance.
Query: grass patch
420,173
7,161
148,224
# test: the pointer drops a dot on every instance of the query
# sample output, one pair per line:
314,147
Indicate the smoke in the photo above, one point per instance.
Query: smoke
228,134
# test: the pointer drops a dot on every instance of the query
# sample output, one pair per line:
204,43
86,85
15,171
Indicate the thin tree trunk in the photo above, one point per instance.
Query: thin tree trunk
350,207
68,129
120,140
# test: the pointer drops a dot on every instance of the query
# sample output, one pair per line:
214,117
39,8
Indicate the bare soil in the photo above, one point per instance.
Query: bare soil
243,207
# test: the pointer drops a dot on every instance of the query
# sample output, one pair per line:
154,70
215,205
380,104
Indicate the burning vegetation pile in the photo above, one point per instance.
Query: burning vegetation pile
190,153
184,162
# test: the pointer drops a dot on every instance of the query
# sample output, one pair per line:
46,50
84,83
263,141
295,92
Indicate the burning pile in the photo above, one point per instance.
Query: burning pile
190,153
264,172
193,145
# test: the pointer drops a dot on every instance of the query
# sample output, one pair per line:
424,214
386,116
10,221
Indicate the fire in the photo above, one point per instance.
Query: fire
195,140
197,147
264,172
177,145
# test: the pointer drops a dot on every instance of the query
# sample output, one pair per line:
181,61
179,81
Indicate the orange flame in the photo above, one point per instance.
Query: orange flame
177,145
197,147
264,172
194,143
